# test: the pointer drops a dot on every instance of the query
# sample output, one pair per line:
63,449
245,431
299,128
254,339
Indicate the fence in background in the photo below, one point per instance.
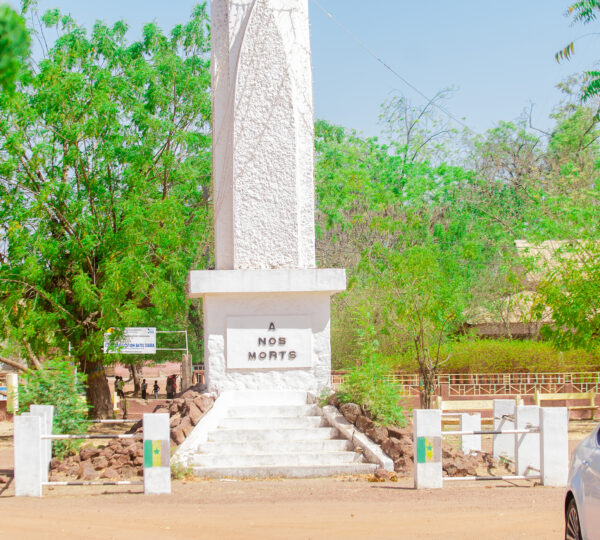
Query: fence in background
482,384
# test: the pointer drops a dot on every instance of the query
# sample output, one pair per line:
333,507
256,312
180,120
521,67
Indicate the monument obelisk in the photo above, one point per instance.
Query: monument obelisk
266,305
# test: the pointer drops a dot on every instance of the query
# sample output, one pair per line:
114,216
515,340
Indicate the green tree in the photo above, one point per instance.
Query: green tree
104,183
377,211
422,293
14,46
569,289
586,12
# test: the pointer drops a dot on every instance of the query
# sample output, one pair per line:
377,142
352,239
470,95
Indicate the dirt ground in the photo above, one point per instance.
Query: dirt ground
304,509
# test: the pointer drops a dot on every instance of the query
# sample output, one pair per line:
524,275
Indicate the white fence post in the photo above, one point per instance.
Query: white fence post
527,445
12,393
46,413
28,455
554,446
157,458
504,445
470,422
428,448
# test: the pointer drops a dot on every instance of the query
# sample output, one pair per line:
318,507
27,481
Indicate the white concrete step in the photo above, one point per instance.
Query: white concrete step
271,411
271,423
266,447
309,471
272,434
299,434
248,398
276,459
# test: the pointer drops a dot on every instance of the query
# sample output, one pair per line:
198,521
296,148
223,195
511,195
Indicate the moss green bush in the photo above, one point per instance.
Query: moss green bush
371,386
369,383
56,384
504,356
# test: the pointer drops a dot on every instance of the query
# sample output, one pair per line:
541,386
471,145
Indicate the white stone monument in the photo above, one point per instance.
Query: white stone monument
266,305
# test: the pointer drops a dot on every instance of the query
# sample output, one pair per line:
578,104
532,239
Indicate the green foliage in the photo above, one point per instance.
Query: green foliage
371,386
105,192
570,290
57,384
585,12
429,246
370,383
14,47
181,472
506,356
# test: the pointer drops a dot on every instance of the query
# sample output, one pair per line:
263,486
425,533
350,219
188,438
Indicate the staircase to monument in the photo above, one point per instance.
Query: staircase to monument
275,436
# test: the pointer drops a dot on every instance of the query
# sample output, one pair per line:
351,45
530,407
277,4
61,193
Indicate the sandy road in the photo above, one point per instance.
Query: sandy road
344,508
303,509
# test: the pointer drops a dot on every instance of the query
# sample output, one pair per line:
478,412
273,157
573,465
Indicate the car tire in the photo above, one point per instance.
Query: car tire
572,525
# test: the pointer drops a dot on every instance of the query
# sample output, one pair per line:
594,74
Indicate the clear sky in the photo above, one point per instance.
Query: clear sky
499,55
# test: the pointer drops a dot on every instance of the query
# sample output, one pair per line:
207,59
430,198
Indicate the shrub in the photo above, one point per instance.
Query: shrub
370,383
371,386
56,384
506,356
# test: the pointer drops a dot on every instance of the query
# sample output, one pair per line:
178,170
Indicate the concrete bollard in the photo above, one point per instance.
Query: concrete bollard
554,448
28,455
428,448
12,393
504,445
46,413
157,458
470,422
527,445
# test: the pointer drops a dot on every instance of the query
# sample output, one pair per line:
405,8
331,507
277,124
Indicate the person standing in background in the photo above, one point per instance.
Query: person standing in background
169,387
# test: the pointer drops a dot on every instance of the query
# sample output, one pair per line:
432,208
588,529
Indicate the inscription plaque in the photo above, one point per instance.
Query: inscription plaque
272,342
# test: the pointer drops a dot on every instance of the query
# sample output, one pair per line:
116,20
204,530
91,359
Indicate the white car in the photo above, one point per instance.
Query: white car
582,501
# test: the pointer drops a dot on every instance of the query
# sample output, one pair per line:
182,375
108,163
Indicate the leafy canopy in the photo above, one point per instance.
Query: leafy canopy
14,46
586,12
104,184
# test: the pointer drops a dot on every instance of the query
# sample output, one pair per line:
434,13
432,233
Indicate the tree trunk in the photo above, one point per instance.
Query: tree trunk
96,388
13,364
427,388
32,357
136,370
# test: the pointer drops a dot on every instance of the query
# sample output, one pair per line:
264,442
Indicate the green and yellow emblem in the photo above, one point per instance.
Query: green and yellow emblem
156,453
429,449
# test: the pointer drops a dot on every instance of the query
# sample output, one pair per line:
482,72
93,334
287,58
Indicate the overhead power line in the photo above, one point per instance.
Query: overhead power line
362,44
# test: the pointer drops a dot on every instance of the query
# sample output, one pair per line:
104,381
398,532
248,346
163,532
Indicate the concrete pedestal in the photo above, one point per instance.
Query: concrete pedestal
527,445
554,450
46,413
428,449
470,422
29,456
267,329
504,420
157,468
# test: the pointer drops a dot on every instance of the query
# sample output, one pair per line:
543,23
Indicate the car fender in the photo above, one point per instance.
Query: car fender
575,483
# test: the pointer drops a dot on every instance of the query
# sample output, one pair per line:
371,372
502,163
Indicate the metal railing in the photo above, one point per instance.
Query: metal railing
482,384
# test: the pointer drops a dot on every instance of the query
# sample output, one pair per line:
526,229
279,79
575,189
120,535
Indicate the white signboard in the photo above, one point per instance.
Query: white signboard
275,342
134,341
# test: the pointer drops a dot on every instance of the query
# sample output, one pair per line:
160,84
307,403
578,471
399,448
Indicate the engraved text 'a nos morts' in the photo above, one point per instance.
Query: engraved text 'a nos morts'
268,342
